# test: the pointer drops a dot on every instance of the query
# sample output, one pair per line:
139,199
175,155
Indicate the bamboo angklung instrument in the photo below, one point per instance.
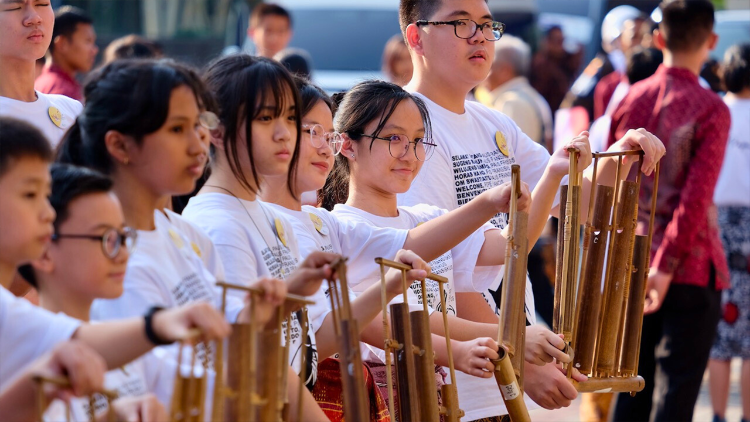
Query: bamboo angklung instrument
512,325
251,386
600,310
411,342
189,394
41,401
356,407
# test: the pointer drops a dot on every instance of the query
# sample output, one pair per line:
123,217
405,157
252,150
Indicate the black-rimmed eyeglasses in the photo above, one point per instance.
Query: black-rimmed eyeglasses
398,146
466,28
112,240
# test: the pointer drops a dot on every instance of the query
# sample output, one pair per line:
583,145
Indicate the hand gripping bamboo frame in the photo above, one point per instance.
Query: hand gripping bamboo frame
411,343
512,325
602,327
356,407
41,401
255,371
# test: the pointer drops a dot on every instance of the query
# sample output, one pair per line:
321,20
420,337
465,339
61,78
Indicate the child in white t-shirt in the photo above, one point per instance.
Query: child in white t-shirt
476,147
26,223
25,35
87,261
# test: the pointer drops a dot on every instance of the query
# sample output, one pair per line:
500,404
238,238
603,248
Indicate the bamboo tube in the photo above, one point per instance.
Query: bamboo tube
425,367
559,260
450,409
515,319
610,385
634,314
511,392
614,293
41,400
590,291
269,346
408,398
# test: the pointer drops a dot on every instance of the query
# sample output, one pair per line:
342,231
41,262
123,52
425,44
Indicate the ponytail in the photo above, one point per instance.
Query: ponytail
336,189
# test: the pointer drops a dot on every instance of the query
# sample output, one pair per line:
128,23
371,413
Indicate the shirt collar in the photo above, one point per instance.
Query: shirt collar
677,72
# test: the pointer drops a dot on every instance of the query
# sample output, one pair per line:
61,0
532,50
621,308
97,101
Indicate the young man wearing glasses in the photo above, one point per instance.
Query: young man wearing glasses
451,46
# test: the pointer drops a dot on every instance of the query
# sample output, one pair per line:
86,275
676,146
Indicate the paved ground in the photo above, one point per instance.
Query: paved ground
703,412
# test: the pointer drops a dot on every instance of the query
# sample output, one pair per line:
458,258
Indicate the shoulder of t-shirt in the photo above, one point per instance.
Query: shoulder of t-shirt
495,116
61,101
424,212
192,230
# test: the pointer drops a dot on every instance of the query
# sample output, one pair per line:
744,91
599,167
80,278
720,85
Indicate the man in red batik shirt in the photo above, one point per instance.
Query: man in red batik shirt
688,268
72,51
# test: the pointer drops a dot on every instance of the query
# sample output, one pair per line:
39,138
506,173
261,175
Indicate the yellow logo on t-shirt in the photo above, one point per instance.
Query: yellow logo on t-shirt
196,249
502,144
318,224
280,230
56,116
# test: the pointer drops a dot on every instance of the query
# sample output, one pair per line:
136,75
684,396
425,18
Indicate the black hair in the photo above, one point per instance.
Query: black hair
296,60
242,84
686,24
268,9
67,19
69,183
643,63
132,47
365,103
737,67
311,94
19,140
131,97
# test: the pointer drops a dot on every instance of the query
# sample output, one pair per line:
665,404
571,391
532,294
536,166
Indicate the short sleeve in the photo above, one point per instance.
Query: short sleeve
142,291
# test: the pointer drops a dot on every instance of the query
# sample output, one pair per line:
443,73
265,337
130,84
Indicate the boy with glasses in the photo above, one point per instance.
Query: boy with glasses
451,48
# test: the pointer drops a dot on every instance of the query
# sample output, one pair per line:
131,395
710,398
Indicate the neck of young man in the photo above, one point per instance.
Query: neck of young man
138,202
17,80
73,305
222,180
372,200
275,190
451,96
690,61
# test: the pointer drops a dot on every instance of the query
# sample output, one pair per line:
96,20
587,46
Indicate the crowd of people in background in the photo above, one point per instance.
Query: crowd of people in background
652,86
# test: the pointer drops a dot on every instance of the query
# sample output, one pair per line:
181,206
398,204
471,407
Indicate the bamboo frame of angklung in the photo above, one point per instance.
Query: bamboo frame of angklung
414,354
602,326
41,400
347,332
245,401
512,325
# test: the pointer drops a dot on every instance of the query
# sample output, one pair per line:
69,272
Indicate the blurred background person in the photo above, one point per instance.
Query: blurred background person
270,29
296,60
611,58
553,69
507,90
132,47
72,52
732,197
397,66
711,74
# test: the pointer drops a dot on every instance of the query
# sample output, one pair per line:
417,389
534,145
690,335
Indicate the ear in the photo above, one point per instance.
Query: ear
712,41
414,39
44,264
659,41
118,146
59,43
217,137
348,148
251,33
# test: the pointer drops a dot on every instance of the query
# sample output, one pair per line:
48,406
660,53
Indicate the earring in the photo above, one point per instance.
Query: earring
352,155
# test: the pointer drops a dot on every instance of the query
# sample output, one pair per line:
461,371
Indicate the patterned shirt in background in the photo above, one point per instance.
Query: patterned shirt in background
693,123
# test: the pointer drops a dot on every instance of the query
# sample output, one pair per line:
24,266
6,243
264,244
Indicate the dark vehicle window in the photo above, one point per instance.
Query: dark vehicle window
344,39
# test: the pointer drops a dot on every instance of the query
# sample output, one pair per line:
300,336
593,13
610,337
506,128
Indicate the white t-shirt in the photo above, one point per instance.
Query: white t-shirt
316,229
172,265
152,373
26,333
474,153
41,112
733,187
253,241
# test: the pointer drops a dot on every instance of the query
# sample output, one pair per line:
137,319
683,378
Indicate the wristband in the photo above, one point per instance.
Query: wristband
149,327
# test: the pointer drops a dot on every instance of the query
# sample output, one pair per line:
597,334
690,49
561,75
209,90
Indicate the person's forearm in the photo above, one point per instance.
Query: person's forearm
438,236
473,307
18,400
542,199
461,329
366,309
493,249
118,342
